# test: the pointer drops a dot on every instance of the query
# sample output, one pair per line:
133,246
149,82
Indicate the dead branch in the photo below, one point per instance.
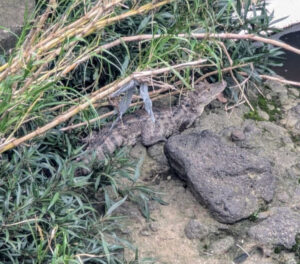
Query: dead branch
279,79
192,35
275,78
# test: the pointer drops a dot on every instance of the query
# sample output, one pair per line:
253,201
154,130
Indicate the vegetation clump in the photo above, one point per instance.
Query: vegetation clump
254,116
262,103
50,213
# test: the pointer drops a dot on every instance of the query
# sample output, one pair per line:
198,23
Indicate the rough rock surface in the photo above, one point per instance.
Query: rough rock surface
280,228
221,246
196,230
231,181
293,119
275,140
12,17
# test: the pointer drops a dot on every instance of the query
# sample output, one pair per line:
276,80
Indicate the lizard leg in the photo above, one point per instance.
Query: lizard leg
152,133
149,141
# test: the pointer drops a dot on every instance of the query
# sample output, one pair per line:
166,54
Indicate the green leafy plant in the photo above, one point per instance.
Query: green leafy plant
49,212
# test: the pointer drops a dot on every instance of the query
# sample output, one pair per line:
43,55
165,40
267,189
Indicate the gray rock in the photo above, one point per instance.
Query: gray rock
292,119
138,151
237,135
263,114
195,230
156,152
145,232
294,92
154,227
221,246
231,181
277,87
280,228
12,17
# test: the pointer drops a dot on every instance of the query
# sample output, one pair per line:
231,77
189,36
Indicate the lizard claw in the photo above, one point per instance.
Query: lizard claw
221,98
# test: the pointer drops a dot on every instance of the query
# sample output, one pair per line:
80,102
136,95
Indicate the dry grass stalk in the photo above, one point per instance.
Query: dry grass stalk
78,29
233,76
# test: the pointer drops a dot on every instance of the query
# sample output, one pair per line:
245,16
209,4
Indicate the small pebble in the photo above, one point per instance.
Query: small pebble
153,227
195,229
269,96
237,135
145,232
294,91
263,114
221,246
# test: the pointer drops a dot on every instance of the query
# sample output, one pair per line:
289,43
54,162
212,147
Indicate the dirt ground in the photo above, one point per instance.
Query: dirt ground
163,239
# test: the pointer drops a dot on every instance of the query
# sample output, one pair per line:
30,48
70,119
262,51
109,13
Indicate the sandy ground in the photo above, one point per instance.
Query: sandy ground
163,240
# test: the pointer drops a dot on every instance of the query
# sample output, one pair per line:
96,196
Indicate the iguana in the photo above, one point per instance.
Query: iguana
138,126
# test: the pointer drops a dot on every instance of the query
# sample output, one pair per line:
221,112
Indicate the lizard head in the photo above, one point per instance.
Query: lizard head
203,94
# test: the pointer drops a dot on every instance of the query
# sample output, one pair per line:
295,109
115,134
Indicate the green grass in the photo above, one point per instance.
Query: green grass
33,105
50,213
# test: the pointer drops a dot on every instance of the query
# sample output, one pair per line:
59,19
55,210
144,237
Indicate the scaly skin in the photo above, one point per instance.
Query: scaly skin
139,127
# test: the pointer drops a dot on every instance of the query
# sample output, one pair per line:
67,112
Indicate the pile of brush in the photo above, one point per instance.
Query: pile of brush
73,55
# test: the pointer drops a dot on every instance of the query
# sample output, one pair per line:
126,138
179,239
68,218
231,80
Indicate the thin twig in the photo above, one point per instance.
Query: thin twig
233,106
227,69
233,76
275,78
279,79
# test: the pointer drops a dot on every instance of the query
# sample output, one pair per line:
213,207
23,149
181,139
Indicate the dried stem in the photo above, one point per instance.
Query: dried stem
233,76
193,35
58,38
279,79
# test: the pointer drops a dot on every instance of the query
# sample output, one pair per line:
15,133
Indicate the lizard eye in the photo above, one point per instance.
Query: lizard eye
187,105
